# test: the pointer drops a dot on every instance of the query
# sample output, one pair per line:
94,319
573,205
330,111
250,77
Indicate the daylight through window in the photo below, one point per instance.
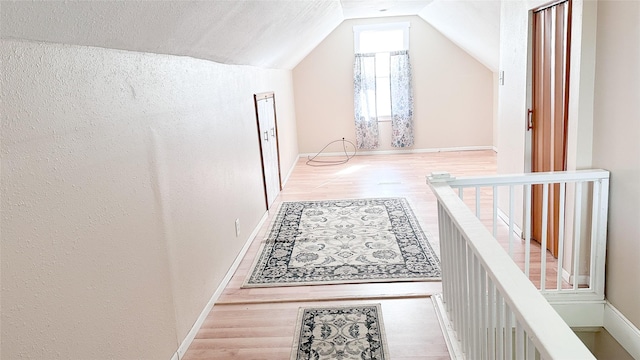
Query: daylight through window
381,39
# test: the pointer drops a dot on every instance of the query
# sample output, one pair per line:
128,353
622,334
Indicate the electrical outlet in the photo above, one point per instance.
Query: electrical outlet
237,227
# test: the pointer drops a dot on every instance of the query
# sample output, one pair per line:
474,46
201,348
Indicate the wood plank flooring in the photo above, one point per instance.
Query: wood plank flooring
258,323
265,331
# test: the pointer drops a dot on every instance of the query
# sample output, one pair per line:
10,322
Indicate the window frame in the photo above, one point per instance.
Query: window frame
404,26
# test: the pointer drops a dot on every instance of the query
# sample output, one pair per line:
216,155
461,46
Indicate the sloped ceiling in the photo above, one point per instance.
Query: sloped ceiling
270,34
356,9
274,34
472,25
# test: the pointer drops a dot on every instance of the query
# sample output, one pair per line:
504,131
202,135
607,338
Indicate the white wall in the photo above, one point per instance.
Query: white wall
453,92
603,125
617,146
122,175
514,141
496,107
512,111
515,94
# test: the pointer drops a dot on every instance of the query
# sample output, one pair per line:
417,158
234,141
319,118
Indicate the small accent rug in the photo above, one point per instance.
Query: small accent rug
345,332
344,241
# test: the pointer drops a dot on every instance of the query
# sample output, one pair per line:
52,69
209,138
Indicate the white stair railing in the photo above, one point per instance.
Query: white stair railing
496,311
577,273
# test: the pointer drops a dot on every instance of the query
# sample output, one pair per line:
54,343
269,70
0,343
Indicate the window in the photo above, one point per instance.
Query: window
382,39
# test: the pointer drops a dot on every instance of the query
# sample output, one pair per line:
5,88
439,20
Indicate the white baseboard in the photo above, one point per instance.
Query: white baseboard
453,345
582,279
627,334
182,349
517,231
410,151
286,178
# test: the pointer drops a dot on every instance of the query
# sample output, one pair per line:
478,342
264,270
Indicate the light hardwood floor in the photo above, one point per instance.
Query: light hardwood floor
258,323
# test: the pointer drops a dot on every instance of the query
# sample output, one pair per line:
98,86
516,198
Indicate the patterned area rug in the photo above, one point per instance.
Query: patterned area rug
344,333
344,241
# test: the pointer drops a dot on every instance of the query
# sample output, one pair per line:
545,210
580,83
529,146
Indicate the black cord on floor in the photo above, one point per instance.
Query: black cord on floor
311,160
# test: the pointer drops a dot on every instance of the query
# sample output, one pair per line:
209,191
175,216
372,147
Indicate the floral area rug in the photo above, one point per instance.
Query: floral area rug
344,241
344,333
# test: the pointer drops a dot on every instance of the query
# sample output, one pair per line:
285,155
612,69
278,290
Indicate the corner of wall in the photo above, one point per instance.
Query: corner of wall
496,93
582,85
627,334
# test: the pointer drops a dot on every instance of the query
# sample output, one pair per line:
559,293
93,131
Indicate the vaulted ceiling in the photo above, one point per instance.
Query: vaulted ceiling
271,34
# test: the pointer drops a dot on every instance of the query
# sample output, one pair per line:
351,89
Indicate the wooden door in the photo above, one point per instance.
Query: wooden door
269,150
550,95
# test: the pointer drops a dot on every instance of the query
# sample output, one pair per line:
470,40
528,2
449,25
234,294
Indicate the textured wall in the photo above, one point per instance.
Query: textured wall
230,32
122,175
453,93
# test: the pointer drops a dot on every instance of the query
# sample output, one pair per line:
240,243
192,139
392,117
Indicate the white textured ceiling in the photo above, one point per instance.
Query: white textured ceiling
473,25
355,9
275,34
264,33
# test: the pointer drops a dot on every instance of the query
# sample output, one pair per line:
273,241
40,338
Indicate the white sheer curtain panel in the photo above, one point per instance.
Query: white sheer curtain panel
401,99
366,118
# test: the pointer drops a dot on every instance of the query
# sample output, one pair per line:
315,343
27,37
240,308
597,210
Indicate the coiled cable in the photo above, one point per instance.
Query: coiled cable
311,160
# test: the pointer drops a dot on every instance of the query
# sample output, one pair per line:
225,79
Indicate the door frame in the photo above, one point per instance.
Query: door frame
533,115
256,98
